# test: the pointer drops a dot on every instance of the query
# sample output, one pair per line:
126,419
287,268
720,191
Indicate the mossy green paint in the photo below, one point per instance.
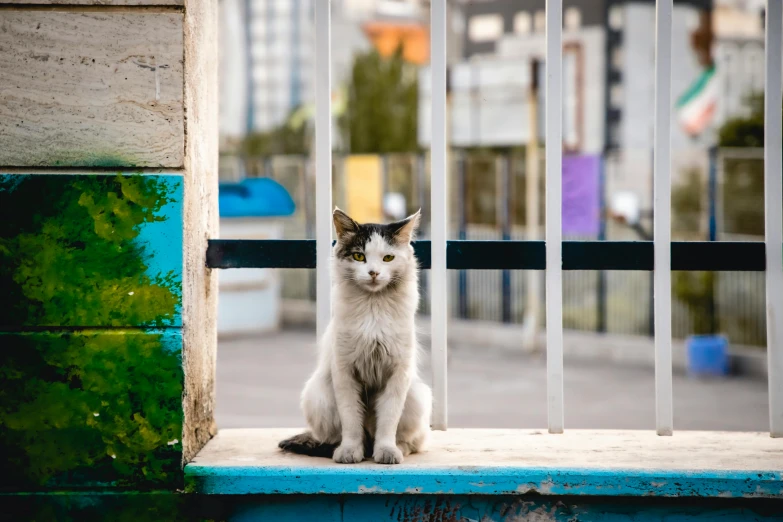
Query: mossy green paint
90,408
83,405
70,253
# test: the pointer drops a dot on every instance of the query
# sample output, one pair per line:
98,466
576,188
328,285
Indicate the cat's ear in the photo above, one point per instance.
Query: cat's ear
343,223
404,231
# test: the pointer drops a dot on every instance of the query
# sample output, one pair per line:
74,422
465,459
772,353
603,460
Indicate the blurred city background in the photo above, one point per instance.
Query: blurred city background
496,54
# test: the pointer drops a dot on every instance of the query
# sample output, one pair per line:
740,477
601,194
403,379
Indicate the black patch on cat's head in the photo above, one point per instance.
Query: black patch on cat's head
352,236
355,241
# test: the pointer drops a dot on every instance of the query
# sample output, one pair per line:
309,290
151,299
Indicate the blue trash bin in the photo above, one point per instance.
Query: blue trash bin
708,355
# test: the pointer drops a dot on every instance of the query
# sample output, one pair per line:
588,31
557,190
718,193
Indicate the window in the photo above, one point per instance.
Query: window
458,22
485,28
753,58
692,20
616,95
572,97
540,21
617,58
616,18
523,24
573,18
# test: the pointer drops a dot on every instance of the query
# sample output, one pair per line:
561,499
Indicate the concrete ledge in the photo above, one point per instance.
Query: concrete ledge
503,462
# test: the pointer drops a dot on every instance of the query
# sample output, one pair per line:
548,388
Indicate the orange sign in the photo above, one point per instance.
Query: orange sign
386,37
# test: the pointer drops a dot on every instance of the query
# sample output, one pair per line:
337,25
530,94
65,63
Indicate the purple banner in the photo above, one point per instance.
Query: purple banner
581,199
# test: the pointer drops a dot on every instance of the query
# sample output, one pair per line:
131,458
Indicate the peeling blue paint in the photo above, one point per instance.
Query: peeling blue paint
113,506
497,508
371,479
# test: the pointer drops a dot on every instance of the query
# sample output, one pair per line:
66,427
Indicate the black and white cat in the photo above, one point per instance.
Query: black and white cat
365,397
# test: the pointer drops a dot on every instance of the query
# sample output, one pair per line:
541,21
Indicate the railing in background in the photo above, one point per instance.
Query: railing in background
773,190
739,302
554,215
661,256
438,217
662,227
323,162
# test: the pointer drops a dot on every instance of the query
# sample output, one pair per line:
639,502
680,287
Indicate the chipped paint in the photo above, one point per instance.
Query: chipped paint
537,514
105,506
487,508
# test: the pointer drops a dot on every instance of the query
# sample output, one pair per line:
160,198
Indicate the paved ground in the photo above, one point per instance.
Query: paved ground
259,381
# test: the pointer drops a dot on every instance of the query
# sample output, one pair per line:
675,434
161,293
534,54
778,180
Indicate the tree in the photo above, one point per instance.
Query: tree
382,111
283,139
695,290
744,178
745,131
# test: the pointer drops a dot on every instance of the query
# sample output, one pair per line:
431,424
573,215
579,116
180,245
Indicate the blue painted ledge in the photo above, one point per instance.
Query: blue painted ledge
507,462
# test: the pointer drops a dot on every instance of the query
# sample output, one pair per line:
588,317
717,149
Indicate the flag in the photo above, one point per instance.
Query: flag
696,107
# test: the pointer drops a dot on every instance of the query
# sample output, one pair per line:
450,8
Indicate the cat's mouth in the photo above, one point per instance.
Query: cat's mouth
374,284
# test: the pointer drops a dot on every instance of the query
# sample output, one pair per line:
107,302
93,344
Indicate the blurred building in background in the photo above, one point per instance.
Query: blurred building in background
739,53
233,71
267,54
267,63
608,80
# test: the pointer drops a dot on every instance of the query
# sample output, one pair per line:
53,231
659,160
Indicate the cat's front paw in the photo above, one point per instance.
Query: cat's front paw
387,455
348,453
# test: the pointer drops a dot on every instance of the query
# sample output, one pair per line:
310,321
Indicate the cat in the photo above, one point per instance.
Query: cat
365,398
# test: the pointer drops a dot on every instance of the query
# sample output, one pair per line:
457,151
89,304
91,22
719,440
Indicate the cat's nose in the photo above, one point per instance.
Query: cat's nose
373,274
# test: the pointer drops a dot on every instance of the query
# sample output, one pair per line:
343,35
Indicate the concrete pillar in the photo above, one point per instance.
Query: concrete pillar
108,195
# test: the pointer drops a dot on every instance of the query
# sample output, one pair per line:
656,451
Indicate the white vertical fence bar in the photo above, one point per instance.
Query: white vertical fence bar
323,162
554,230
438,218
662,218
773,196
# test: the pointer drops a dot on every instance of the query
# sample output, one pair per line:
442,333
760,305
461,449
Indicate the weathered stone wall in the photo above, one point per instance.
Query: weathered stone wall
108,195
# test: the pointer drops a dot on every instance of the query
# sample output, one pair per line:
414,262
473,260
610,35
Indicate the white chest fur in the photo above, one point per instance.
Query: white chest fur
375,338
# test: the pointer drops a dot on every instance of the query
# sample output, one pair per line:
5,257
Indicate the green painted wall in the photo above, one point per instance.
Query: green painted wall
86,250
90,337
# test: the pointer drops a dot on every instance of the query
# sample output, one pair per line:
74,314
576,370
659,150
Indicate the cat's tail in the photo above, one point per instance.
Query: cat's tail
306,444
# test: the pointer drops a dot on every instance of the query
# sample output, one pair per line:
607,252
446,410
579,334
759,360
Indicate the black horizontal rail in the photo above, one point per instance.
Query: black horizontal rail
721,256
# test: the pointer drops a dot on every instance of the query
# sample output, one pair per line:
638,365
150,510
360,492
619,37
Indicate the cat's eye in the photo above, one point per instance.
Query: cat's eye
388,258
358,257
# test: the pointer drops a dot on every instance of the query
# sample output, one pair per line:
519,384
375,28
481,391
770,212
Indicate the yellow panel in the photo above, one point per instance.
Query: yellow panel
363,190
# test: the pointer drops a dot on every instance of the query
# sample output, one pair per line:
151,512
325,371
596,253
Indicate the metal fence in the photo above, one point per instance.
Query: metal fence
501,296
527,255
478,295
